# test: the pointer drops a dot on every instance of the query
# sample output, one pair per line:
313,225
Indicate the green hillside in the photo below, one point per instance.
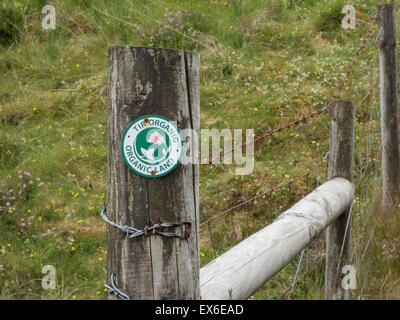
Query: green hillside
264,63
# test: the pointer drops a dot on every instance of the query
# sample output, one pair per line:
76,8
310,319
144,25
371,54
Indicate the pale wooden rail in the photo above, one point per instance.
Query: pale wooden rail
243,269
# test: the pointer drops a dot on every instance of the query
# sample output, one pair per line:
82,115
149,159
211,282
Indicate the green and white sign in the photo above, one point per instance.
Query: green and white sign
152,146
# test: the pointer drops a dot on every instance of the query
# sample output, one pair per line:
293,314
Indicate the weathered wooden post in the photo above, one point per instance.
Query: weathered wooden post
341,162
152,81
389,105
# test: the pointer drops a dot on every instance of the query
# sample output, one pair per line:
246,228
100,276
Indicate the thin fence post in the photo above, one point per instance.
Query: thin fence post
389,105
341,162
163,82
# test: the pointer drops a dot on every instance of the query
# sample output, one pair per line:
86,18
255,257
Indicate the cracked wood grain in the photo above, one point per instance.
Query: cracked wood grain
152,81
341,163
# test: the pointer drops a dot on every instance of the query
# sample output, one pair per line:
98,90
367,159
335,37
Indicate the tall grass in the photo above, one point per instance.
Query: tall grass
263,63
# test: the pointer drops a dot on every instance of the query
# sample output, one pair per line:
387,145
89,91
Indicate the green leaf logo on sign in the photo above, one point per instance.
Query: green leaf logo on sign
152,146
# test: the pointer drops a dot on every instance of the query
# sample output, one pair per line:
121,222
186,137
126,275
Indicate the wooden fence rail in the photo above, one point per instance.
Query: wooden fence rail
243,269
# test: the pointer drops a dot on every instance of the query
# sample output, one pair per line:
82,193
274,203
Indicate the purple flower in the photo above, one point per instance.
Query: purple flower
37,179
22,224
20,177
30,181
11,190
8,204
24,185
12,198
22,219
29,223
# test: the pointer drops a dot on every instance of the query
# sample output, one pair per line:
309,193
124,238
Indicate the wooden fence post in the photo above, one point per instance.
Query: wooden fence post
389,105
341,162
152,81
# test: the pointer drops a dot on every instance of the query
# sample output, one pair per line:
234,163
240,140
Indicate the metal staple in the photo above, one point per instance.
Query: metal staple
132,232
115,291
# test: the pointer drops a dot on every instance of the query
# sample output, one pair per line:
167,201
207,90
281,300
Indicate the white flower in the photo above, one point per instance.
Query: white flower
156,138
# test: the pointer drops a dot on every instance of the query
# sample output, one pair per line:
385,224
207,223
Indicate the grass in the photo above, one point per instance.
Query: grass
263,64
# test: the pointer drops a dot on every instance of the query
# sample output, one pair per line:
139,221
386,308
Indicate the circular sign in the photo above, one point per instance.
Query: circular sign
152,146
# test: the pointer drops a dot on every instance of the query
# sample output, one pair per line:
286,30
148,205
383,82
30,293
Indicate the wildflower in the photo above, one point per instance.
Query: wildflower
202,253
40,218
100,259
3,251
72,248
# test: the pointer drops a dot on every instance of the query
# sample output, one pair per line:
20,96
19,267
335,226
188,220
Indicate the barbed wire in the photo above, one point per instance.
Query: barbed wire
364,40
293,123
341,251
306,118
156,229
220,215
115,291
319,260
